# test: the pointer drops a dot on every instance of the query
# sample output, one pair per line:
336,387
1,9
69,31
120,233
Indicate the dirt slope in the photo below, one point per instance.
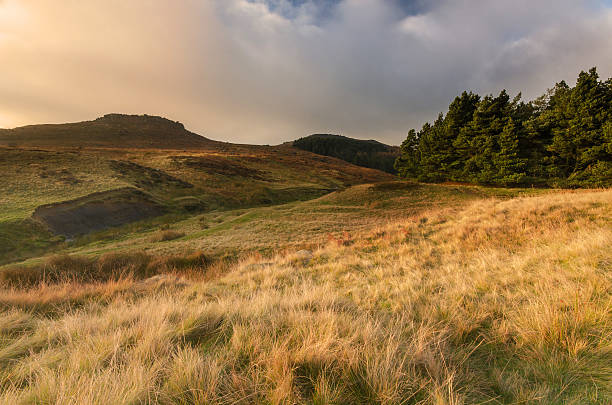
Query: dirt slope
97,211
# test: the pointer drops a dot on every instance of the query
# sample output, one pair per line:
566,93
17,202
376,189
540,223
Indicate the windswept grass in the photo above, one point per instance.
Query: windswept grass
498,301
65,268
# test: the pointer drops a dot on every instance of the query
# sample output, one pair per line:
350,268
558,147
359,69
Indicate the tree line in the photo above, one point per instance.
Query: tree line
372,154
563,138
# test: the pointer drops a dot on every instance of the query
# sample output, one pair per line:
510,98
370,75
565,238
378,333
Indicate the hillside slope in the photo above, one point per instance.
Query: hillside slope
498,301
366,153
182,176
266,229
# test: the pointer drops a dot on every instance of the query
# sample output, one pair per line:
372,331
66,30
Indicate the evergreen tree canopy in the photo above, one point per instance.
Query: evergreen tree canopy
563,138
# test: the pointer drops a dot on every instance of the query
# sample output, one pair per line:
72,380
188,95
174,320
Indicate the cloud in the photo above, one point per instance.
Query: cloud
266,71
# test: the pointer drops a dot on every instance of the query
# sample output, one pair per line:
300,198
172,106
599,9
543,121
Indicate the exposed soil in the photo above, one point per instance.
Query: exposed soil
97,211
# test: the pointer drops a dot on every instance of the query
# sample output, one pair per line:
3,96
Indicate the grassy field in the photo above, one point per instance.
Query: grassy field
283,227
409,293
228,177
219,178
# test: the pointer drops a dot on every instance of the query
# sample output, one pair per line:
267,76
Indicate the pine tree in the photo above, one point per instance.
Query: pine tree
538,134
407,164
434,152
460,113
478,140
561,138
508,162
440,160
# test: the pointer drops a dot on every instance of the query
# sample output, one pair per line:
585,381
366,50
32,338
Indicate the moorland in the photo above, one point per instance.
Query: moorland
143,263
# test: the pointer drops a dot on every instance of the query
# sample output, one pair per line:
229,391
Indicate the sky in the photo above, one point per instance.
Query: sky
269,71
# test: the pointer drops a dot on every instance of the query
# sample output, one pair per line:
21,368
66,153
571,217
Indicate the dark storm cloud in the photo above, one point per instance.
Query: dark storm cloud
268,71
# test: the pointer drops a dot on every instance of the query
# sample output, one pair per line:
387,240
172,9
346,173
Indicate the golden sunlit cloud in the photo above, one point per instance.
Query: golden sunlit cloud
238,70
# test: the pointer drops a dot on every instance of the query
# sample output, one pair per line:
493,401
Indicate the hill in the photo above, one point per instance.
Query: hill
64,181
370,153
398,300
109,131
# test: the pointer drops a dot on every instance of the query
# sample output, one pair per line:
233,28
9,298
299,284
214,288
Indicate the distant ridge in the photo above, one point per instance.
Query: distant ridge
109,131
366,153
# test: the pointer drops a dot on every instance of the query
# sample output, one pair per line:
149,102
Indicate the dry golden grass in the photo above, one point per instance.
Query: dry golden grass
166,235
74,269
497,302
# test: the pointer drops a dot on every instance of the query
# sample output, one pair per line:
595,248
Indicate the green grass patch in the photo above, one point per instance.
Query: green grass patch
25,238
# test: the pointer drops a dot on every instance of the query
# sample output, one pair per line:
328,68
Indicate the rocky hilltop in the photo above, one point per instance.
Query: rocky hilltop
110,130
